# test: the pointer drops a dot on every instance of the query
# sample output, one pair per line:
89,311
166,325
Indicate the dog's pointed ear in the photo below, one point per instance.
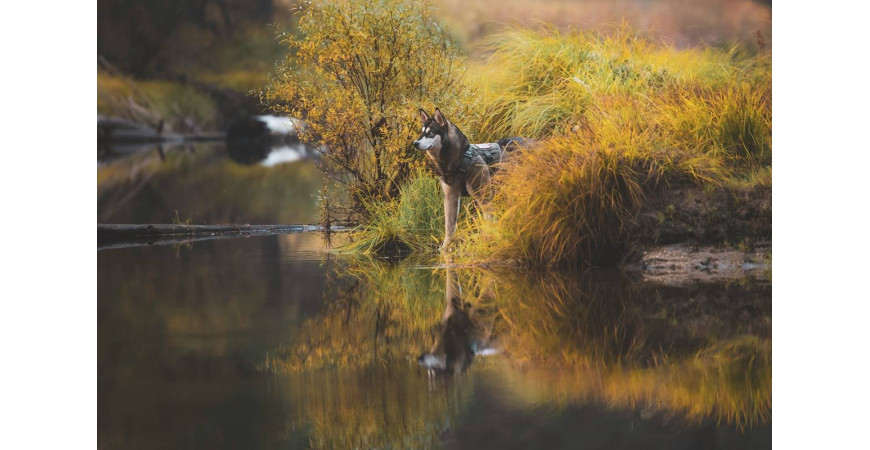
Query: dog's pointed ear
440,118
424,116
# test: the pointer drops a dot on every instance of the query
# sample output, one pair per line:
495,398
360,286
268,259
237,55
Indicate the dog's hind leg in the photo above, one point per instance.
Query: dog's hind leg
451,210
480,190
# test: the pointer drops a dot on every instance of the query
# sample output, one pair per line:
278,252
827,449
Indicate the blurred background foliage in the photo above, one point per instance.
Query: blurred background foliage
170,37
160,37
231,45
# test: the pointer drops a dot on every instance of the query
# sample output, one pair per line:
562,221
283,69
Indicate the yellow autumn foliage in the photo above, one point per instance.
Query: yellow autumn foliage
356,73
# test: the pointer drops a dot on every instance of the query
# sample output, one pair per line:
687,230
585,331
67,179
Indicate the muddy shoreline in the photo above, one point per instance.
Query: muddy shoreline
673,264
679,264
699,215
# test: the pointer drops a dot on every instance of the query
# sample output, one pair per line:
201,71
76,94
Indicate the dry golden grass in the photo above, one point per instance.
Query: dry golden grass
615,116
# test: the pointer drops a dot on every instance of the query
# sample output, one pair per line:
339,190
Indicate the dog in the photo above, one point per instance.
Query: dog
465,334
465,168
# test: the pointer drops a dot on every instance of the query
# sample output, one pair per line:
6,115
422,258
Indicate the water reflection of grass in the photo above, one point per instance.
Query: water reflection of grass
374,407
700,352
374,314
624,344
349,372
207,187
729,383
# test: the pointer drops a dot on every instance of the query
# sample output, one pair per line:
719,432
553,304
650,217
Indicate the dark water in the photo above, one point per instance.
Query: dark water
268,342
208,183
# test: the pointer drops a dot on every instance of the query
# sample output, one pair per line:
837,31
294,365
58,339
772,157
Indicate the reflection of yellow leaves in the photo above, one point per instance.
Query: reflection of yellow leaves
376,407
575,339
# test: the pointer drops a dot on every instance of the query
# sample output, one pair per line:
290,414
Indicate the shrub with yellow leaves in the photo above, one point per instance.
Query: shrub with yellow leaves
356,73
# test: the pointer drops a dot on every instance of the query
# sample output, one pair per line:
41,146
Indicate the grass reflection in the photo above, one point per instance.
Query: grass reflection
699,352
702,352
390,406
206,187
374,314
349,372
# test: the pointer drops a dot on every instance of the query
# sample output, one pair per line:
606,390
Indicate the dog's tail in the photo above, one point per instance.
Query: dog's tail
513,143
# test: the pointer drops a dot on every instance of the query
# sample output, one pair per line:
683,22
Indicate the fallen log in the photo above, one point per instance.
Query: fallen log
112,235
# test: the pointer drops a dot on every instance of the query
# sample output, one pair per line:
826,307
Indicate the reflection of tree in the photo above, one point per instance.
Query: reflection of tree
174,293
169,346
350,371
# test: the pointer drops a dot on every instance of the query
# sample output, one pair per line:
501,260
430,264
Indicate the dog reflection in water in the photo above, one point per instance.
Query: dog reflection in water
465,334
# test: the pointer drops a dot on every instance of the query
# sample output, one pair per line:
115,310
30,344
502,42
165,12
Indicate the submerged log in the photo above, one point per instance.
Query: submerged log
121,137
110,234
115,130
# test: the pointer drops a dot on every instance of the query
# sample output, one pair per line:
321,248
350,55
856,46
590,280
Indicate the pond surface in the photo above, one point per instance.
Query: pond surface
207,183
269,342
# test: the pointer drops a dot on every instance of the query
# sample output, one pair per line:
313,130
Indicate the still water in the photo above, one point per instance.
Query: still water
270,342
207,183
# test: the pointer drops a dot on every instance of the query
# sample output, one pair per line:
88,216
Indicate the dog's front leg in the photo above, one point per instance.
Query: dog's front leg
454,295
451,209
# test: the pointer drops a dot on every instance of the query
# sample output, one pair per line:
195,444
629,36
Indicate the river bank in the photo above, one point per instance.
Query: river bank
688,233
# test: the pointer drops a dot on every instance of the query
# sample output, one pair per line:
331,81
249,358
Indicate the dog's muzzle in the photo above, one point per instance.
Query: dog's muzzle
424,143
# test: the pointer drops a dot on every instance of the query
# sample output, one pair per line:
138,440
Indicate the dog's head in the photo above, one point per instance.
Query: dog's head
434,132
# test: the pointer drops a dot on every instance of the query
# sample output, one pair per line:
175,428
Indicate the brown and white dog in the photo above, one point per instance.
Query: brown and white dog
465,169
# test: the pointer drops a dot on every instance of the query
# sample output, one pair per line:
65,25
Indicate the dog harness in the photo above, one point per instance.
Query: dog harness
490,152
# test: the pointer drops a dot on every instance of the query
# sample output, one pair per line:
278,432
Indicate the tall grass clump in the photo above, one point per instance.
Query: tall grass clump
573,199
567,205
615,116
539,83
732,122
412,222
